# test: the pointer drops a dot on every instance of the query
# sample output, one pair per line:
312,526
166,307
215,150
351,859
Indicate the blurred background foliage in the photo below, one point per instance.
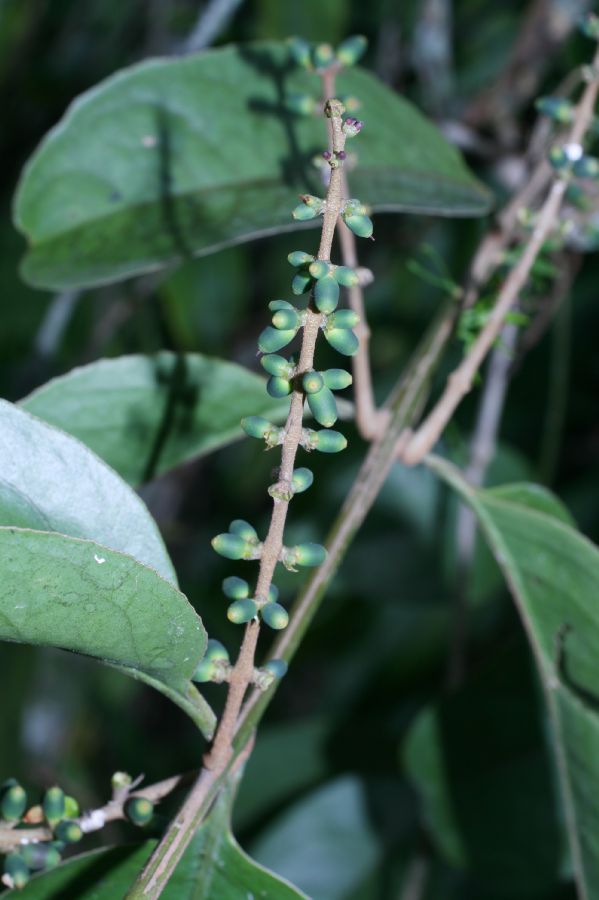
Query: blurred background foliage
335,796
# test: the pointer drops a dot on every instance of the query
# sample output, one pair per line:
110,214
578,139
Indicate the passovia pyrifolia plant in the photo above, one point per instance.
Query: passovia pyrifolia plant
101,582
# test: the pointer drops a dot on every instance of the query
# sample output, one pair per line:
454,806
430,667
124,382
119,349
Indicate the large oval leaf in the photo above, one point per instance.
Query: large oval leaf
184,156
146,414
77,595
50,481
553,574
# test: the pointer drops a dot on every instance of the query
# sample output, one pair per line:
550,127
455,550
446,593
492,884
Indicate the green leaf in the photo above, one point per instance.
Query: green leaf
176,157
553,574
78,595
51,482
214,867
480,765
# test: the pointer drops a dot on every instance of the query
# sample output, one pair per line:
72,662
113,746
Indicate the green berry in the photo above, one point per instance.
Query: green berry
138,810
236,588
13,801
301,282
327,441
343,340
17,870
275,615
278,667
323,407
273,339
312,382
53,805
557,108
559,158
275,305
256,426
40,856
232,546
278,387
361,225
276,365
71,807
204,671
323,56
300,258
301,104
286,320
352,49
344,318
244,530
241,611
301,480
345,276
303,213
301,51
586,167
309,555
319,268
337,379
216,651
68,831
326,294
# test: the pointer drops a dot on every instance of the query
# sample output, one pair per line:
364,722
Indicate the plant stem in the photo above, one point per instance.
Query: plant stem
159,868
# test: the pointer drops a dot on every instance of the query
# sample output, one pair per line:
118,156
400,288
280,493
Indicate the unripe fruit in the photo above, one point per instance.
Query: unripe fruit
301,51
337,379
278,387
39,856
231,546
345,276
301,283
275,305
322,56
204,671
236,588
273,339
557,108
303,213
286,320
327,441
343,340
309,555
586,167
351,49
343,318
319,269
138,810
273,593
323,407
558,158
17,870
326,294
256,426
68,831
301,104
312,382
241,611
300,258
71,807
216,651
244,530
13,802
53,805
361,225
275,615
301,480
276,365
278,667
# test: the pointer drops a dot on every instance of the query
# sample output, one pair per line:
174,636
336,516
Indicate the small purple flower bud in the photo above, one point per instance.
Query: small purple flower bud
341,154
326,154
352,126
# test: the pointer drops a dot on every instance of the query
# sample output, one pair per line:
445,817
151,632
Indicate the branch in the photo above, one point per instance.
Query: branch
460,381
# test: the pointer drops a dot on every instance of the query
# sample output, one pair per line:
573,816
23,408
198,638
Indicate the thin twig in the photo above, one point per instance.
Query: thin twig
212,20
460,381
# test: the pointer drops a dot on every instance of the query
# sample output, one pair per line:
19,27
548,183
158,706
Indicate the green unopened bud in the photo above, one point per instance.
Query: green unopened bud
244,530
241,611
337,379
345,276
53,805
344,318
139,810
17,870
258,427
586,167
275,305
352,49
277,365
327,441
557,108
589,25
312,382
301,51
236,588
71,807
301,480
216,651
343,340
309,555
300,258
301,104
278,667
286,320
559,158
323,56
361,225
68,831
273,339
204,671
319,268
278,387
275,615
118,781
303,213
323,407
13,802
231,546
40,856
326,294
301,282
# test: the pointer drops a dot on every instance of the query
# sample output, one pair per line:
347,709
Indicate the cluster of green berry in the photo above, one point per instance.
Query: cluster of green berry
57,811
318,58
